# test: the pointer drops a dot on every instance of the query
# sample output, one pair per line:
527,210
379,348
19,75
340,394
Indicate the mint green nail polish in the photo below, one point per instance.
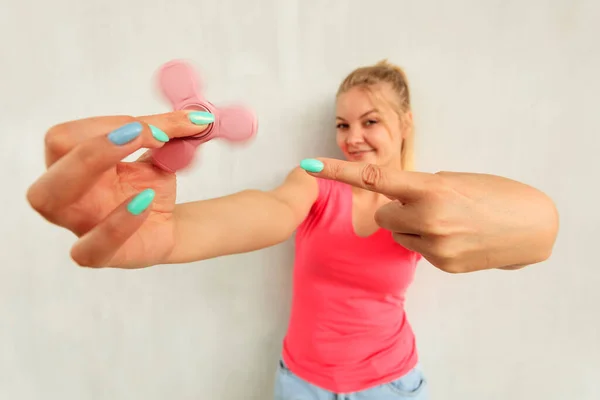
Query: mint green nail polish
159,134
140,202
201,117
311,165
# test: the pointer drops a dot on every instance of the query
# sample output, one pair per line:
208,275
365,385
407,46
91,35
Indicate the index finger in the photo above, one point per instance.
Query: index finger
63,137
402,185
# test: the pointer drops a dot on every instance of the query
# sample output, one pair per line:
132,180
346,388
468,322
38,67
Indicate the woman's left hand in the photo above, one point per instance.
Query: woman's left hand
459,222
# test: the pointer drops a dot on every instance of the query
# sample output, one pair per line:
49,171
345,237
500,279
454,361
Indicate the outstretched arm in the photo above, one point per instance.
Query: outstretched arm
242,222
459,222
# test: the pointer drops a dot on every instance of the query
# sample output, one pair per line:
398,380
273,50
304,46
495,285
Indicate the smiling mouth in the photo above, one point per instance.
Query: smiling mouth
360,152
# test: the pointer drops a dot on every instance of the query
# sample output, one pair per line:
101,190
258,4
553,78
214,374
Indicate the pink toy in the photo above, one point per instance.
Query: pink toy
179,83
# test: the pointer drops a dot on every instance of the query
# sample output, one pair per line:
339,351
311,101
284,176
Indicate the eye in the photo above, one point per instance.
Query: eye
371,122
341,126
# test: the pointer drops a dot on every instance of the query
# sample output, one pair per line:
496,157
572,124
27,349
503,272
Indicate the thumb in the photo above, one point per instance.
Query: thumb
393,183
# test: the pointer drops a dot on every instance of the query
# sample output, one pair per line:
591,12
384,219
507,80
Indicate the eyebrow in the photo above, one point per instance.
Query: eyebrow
365,114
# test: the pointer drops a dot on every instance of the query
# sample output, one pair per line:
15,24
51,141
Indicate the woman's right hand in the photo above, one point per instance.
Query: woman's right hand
122,212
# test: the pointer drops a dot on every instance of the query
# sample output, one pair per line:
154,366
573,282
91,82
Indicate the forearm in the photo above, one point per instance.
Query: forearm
238,223
536,240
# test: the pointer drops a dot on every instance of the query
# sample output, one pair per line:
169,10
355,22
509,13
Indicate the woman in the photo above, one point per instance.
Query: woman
348,332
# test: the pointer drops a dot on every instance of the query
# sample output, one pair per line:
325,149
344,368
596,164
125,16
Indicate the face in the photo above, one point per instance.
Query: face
361,132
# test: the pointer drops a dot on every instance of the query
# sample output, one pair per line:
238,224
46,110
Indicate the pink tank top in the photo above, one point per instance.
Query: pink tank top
348,330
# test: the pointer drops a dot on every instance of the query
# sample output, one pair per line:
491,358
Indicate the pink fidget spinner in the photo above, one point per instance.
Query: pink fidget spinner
180,84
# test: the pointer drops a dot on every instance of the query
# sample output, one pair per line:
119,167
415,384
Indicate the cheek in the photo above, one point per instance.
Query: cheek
340,139
379,138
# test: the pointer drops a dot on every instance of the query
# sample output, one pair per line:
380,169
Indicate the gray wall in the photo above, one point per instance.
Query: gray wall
505,87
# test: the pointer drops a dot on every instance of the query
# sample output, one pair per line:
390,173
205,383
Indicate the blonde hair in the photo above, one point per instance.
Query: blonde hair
381,73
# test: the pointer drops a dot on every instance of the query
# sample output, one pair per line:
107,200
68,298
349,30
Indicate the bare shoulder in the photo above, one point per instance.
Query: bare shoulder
299,190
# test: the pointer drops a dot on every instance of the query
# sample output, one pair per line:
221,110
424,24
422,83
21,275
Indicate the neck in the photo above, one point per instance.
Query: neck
396,163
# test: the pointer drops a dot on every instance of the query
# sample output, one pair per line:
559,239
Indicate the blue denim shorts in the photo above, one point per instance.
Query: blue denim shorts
412,385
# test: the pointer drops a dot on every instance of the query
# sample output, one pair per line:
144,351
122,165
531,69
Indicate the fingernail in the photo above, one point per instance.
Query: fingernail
126,133
201,117
158,134
140,203
311,165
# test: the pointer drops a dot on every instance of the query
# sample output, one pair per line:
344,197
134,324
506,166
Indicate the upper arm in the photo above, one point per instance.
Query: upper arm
299,191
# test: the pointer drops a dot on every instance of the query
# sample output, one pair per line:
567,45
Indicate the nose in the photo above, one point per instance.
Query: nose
355,136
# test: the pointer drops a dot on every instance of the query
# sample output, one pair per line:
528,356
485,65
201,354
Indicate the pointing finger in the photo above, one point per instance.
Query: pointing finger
402,185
